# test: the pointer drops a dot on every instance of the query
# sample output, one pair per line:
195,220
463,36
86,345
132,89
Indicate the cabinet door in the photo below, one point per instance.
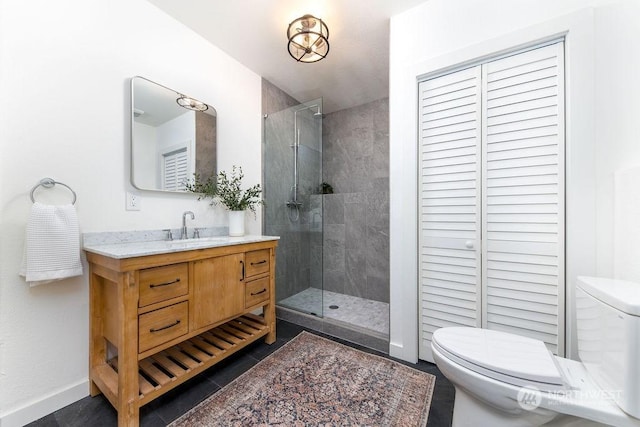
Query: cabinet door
218,290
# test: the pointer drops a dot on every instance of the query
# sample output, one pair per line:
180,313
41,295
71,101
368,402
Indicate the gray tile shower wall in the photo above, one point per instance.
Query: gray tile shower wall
354,244
275,99
356,217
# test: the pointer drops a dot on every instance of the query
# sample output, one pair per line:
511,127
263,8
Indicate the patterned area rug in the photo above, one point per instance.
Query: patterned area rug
314,381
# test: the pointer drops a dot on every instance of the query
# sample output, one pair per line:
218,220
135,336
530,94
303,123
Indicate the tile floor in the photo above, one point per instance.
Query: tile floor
97,412
360,312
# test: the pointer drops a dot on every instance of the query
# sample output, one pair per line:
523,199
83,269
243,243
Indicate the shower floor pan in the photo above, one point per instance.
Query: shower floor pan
362,313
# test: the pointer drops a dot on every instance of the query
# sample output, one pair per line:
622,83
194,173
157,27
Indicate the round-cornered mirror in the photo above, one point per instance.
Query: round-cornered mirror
173,137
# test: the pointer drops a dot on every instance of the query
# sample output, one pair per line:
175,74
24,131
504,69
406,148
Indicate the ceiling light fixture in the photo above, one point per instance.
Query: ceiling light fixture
308,39
191,104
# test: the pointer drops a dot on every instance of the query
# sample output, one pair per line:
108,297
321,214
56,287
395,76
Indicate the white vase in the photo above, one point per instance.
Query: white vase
236,223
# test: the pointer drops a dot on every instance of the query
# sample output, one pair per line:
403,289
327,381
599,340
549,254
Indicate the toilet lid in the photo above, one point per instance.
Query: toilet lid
503,356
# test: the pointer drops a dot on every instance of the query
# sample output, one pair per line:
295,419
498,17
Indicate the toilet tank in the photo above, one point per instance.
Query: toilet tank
608,324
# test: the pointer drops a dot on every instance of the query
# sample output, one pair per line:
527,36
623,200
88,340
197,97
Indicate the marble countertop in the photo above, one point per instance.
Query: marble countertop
132,249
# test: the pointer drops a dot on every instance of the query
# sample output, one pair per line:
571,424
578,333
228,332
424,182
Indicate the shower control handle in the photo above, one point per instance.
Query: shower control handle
469,244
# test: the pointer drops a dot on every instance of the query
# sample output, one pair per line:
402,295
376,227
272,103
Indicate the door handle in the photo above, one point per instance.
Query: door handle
469,244
242,272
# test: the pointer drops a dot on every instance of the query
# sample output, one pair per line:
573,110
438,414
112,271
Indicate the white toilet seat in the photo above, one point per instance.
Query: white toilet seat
505,357
489,368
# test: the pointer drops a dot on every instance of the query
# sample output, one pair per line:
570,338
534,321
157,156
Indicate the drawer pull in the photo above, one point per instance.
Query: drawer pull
258,293
154,285
264,261
177,322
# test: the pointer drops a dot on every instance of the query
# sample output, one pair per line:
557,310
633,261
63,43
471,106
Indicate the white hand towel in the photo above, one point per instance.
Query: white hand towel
52,247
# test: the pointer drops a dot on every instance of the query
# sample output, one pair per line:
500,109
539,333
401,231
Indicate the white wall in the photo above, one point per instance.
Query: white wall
602,111
64,78
617,121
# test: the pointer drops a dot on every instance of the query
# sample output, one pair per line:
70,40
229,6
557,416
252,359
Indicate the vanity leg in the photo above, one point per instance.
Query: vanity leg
270,320
128,398
129,416
97,344
270,309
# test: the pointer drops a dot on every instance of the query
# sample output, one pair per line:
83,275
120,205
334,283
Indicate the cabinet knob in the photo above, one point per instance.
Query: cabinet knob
469,244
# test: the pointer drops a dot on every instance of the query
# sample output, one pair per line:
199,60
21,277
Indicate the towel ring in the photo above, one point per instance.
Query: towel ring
50,183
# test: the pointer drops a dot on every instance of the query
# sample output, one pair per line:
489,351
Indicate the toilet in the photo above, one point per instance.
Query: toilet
503,379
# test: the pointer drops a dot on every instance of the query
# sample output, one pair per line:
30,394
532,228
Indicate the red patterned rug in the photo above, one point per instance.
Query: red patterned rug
313,381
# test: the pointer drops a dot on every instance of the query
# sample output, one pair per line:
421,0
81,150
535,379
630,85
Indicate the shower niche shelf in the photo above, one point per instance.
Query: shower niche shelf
157,320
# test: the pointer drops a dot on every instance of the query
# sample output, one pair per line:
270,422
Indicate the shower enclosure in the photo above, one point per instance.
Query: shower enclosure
293,211
330,268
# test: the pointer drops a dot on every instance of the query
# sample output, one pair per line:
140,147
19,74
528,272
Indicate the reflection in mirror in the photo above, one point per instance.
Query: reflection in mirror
172,137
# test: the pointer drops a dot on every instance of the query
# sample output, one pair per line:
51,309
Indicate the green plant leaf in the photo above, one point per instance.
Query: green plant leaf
227,189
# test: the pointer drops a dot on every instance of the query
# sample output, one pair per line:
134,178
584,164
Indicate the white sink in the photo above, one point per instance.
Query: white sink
198,241
152,247
202,239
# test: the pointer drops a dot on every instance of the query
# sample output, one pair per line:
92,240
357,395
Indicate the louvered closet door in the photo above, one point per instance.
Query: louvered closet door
175,170
523,195
491,172
449,173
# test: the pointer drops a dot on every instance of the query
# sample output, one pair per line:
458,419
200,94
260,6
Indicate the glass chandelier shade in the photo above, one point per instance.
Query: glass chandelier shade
191,104
308,39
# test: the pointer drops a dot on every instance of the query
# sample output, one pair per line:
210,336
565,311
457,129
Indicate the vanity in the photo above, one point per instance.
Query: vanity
161,312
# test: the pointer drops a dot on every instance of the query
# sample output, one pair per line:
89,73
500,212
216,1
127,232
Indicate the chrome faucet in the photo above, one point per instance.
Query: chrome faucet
183,231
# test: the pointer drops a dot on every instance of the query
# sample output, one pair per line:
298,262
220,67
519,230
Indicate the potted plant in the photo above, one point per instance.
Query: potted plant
227,189
326,188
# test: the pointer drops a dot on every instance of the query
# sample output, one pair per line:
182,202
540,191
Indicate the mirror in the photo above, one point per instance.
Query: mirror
172,137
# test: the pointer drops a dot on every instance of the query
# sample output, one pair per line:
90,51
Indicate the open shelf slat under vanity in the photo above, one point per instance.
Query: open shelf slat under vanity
171,367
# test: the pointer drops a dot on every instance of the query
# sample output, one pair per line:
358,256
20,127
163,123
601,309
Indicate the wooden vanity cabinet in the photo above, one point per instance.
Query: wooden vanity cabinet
158,320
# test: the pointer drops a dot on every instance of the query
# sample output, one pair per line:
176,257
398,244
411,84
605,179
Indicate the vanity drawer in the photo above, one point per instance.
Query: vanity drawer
256,291
160,326
163,283
257,262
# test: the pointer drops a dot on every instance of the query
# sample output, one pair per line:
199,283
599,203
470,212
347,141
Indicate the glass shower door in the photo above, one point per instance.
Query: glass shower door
292,190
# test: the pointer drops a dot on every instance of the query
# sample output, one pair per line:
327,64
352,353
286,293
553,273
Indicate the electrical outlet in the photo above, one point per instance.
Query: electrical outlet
133,202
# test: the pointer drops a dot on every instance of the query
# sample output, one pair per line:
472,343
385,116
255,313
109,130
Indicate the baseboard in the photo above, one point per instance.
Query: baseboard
44,406
400,352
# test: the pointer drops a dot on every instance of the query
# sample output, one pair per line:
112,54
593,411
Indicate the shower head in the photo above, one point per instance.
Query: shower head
317,107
